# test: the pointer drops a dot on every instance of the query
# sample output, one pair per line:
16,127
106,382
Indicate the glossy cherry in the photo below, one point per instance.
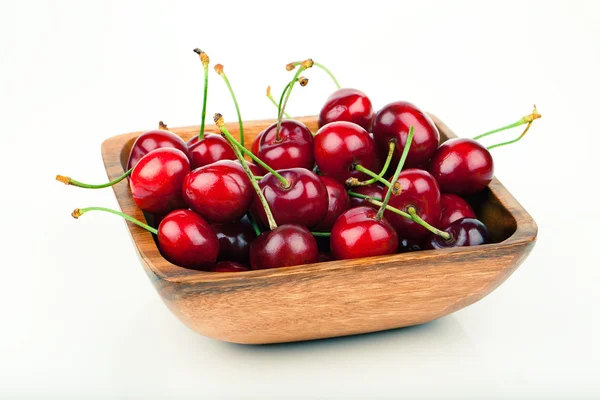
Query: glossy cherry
463,232
339,201
208,150
374,190
153,140
157,179
284,246
234,240
340,146
293,149
462,166
392,123
454,208
220,192
421,191
229,266
256,142
349,105
303,202
358,233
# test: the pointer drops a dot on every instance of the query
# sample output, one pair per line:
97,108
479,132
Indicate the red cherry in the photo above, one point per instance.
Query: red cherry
421,191
304,202
255,143
339,201
454,208
220,192
229,266
392,123
234,240
284,246
293,149
157,178
209,150
349,105
340,146
374,190
462,166
463,232
153,140
358,233
187,240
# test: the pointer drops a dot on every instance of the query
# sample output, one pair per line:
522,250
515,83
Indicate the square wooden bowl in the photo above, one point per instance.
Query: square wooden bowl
334,298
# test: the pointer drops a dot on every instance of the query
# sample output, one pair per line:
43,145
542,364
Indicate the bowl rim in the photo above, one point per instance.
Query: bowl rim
525,232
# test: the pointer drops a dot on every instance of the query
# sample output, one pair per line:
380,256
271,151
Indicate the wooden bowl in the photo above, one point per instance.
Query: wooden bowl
334,298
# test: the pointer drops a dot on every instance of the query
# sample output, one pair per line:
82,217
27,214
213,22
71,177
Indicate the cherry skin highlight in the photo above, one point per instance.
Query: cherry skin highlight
153,140
393,121
293,149
284,246
463,232
209,150
454,208
229,266
339,201
358,233
220,192
349,105
157,178
187,240
462,166
235,239
339,146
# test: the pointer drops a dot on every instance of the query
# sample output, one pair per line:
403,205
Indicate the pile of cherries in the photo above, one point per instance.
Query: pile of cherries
365,184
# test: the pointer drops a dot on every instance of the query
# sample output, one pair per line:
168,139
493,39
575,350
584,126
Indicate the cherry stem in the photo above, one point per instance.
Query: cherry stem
354,182
373,175
78,212
322,234
388,194
288,91
294,64
258,178
205,61
254,225
270,97
528,119
511,141
225,133
219,70
415,217
69,181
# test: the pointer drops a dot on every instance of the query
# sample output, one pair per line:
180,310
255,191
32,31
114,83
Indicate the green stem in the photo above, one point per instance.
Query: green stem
525,120
373,175
323,234
258,178
288,90
420,221
205,61
510,141
80,211
270,97
254,224
388,194
68,181
237,108
296,63
383,170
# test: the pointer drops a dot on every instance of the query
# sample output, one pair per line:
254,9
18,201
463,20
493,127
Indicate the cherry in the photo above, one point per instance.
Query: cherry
153,140
392,123
157,178
408,245
339,201
300,199
462,166
229,266
220,192
284,246
454,208
293,148
463,232
234,240
256,143
373,190
349,105
255,169
184,237
208,150
421,192
341,146
359,233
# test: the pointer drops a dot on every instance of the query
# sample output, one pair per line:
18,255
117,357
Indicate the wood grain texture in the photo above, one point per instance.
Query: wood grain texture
334,298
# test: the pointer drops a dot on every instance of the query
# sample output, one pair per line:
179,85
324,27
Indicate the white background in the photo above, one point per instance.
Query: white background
79,318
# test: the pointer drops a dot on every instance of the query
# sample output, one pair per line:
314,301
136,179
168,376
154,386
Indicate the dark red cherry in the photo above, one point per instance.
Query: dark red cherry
209,150
187,240
393,121
462,166
284,246
339,146
153,140
374,190
304,202
293,149
349,105
234,240
157,179
255,169
463,232
454,208
256,143
339,201
220,192
408,245
421,191
358,233
229,266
